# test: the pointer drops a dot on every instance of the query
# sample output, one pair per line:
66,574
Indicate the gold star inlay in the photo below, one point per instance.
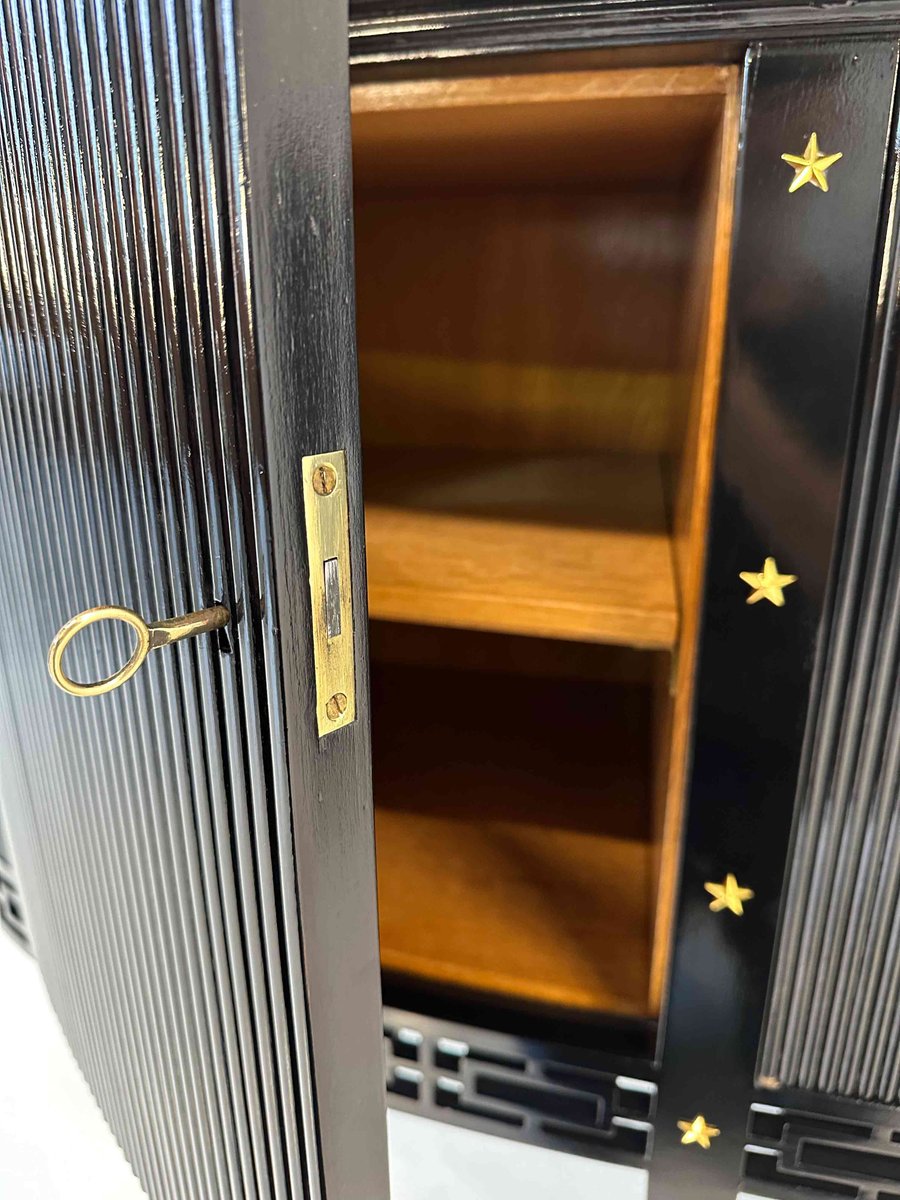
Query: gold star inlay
767,583
728,894
699,1130
810,166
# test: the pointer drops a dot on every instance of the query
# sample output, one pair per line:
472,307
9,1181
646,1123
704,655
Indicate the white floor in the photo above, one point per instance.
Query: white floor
54,1143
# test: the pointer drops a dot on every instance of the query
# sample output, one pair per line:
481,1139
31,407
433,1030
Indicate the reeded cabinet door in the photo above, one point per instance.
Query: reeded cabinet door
195,859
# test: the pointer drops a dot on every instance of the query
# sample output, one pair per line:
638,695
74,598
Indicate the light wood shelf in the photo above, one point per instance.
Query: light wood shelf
572,547
502,866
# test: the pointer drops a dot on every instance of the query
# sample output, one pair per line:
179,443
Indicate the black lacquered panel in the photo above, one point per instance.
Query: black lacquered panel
386,30
806,294
157,828
150,876
832,1022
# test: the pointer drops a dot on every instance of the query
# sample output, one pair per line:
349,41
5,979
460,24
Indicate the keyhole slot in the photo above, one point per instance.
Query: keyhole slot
332,598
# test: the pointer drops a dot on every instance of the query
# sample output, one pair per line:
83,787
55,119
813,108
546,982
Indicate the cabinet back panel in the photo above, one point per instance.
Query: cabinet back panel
521,319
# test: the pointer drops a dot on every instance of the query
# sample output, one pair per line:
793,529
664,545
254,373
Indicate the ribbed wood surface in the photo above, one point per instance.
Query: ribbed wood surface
832,1022
152,825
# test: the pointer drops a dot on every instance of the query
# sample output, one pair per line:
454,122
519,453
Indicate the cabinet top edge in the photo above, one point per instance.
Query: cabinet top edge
628,83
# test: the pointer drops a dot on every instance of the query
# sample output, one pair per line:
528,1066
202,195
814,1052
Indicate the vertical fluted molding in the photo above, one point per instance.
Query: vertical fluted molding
831,1022
152,826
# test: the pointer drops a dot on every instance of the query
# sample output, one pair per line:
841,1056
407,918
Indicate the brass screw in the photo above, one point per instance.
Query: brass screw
336,706
324,479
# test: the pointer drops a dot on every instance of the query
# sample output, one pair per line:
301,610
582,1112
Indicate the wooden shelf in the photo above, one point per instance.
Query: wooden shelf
504,865
571,547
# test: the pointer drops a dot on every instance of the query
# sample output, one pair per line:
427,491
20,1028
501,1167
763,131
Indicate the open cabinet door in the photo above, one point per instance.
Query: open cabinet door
195,856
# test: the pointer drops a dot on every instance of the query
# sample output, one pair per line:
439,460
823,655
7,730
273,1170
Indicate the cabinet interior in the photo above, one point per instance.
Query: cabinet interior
541,281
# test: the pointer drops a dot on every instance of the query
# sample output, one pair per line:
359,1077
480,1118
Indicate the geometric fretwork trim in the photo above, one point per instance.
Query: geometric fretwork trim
546,1095
791,1153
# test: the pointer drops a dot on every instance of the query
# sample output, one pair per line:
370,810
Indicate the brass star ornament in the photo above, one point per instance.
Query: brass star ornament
699,1130
767,584
810,166
728,894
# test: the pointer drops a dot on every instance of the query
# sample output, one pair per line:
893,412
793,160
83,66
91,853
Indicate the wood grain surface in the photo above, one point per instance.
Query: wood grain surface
508,862
569,547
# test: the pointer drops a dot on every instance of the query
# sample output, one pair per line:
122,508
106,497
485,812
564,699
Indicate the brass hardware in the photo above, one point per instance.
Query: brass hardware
728,894
810,166
770,1082
767,583
149,637
328,543
699,1130
324,479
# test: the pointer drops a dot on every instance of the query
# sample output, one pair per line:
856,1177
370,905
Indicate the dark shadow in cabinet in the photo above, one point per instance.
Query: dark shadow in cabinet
504,857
